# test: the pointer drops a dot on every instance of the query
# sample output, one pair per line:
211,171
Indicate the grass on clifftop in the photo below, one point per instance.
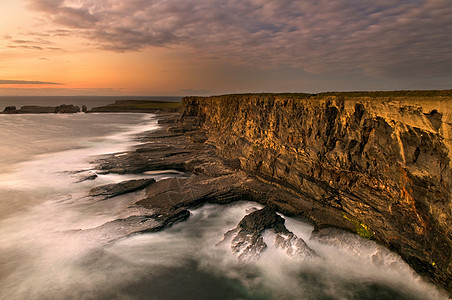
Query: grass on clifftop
431,93
376,94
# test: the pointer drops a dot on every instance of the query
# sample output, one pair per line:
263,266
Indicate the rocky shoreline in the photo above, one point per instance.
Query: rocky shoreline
181,147
180,144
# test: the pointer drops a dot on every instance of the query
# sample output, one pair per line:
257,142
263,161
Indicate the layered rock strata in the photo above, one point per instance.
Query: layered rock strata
380,165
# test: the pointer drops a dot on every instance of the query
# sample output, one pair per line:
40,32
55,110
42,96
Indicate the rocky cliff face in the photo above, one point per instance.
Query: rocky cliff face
380,165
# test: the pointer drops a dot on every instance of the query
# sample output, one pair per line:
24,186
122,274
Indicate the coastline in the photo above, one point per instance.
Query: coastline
180,144
217,173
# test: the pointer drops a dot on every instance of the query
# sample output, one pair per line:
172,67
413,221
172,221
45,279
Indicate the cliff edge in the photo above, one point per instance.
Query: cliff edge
381,165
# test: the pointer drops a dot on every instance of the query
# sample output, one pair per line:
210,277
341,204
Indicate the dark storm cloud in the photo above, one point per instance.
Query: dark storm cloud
25,82
378,38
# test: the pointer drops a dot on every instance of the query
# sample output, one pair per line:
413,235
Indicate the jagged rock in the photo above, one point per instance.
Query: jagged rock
247,240
115,189
84,108
10,110
293,245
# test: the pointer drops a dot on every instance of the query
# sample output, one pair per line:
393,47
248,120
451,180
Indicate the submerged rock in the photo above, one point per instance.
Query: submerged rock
115,189
86,176
247,238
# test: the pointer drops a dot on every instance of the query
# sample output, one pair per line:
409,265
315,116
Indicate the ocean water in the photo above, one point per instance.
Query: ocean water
42,205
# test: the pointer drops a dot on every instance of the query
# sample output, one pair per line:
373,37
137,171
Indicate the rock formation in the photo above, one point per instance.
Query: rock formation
381,164
115,189
10,110
247,238
35,109
67,109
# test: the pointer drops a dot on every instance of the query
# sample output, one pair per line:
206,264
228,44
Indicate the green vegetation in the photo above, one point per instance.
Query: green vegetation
361,228
432,93
292,95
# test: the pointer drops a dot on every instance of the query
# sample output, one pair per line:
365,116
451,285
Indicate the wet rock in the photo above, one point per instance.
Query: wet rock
131,225
86,176
84,108
247,238
115,189
293,245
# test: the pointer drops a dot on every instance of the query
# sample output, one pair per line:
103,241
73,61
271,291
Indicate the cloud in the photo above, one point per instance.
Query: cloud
25,82
25,47
376,38
30,44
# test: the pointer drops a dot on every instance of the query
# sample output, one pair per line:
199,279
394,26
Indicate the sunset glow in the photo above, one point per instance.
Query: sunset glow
137,47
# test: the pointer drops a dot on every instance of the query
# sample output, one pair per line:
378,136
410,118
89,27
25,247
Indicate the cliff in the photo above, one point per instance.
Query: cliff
139,106
379,164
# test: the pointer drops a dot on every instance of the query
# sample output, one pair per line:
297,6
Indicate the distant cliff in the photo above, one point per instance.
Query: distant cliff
140,106
380,162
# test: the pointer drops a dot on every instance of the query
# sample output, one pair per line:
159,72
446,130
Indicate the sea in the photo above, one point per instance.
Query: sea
43,205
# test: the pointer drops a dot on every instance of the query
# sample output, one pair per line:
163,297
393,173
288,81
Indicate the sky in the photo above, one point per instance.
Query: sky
207,47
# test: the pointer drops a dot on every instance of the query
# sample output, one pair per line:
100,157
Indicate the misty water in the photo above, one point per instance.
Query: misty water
43,206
